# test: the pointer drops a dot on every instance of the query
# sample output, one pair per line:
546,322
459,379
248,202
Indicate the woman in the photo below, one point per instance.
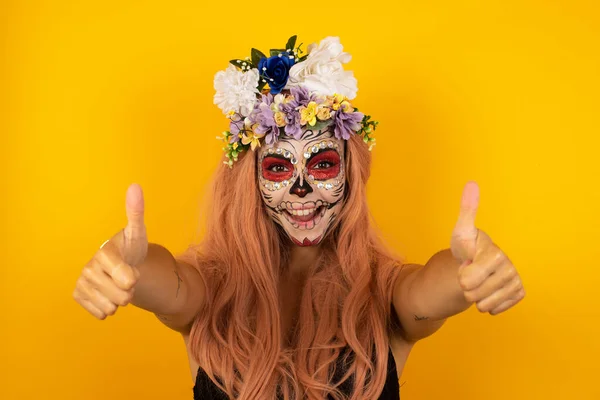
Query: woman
290,294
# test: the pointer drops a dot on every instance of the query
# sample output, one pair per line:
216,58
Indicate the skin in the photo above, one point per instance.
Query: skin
474,270
296,184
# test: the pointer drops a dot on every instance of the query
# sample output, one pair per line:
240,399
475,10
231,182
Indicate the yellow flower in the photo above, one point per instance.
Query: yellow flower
346,106
279,118
308,114
253,138
235,145
336,101
324,113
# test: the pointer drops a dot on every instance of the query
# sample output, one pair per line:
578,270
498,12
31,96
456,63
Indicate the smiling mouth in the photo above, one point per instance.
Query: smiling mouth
303,215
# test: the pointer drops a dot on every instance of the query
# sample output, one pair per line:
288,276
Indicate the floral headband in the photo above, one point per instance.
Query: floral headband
265,97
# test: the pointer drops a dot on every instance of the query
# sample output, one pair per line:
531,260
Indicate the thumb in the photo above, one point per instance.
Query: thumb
135,244
464,236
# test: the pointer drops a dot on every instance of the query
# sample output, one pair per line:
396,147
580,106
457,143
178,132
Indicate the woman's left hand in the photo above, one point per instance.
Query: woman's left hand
486,275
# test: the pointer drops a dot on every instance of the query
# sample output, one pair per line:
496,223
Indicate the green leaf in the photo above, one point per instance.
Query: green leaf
302,58
236,63
320,125
291,43
276,52
256,56
261,85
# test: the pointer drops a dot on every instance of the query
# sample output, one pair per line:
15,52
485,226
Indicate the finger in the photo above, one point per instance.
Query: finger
508,303
500,296
96,298
504,274
135,241
465,233
111,262
106,285
473,275
92,309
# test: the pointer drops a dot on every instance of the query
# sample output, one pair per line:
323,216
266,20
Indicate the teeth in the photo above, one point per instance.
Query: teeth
288,206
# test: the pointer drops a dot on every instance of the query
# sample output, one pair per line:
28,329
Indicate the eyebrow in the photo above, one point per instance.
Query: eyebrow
275,155
313,155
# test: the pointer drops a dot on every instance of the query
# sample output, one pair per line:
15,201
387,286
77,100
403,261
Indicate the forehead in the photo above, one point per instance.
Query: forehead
297,146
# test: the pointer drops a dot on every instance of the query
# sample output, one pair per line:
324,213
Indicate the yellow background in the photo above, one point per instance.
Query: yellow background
96,95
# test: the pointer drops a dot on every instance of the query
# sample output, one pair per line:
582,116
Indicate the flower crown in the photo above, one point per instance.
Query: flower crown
265,97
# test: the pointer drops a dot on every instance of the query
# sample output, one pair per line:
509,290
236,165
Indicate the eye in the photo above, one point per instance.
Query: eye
323,165
277,168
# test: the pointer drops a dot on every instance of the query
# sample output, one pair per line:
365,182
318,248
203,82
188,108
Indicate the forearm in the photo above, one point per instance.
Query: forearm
160,288
434,290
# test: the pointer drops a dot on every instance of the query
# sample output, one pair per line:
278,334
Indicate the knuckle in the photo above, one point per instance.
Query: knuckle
125,299
499,256
470,296
464,281
110,309
510,271
88,272
481,307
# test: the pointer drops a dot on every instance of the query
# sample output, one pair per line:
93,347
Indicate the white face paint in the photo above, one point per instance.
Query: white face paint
302,183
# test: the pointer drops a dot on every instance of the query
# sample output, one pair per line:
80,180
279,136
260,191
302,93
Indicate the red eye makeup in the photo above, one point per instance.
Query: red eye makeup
276,169
324,165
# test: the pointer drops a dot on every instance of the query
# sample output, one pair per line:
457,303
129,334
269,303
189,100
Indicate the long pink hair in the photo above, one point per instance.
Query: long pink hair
346,302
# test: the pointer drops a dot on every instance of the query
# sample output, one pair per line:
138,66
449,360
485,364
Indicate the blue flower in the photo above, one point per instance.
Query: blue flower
276,71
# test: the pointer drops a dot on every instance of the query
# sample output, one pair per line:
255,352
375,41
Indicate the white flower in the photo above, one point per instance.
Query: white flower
322,71
236,90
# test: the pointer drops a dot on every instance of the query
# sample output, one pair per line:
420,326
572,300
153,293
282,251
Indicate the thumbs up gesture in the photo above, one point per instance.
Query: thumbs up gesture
108,279
486,275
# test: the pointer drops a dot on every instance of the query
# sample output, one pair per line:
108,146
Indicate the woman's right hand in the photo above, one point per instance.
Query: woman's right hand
108,280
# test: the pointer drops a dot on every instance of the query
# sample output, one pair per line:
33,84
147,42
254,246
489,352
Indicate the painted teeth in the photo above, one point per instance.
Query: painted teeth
302,212
306,211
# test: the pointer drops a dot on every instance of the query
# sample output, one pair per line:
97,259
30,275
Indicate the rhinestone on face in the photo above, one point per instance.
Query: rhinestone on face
287,154
279,151
307,155
328,186
330,144
314,149
320,185
268,185
286,182
322,145
277,185
336,182
311,178
270,151
294,161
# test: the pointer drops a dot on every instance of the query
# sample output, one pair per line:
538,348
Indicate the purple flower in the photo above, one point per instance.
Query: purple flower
263,115
292,119
235,127
347,123
276,70
301,96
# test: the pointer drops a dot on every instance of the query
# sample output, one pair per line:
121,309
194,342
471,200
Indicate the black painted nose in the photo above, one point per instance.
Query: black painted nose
301,191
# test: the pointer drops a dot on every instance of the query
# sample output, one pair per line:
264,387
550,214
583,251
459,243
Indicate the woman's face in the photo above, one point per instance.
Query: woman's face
302,183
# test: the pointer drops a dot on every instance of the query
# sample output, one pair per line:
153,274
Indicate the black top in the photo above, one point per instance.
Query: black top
205,389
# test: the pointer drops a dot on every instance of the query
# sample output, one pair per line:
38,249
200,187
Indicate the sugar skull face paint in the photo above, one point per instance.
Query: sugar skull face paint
302,183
